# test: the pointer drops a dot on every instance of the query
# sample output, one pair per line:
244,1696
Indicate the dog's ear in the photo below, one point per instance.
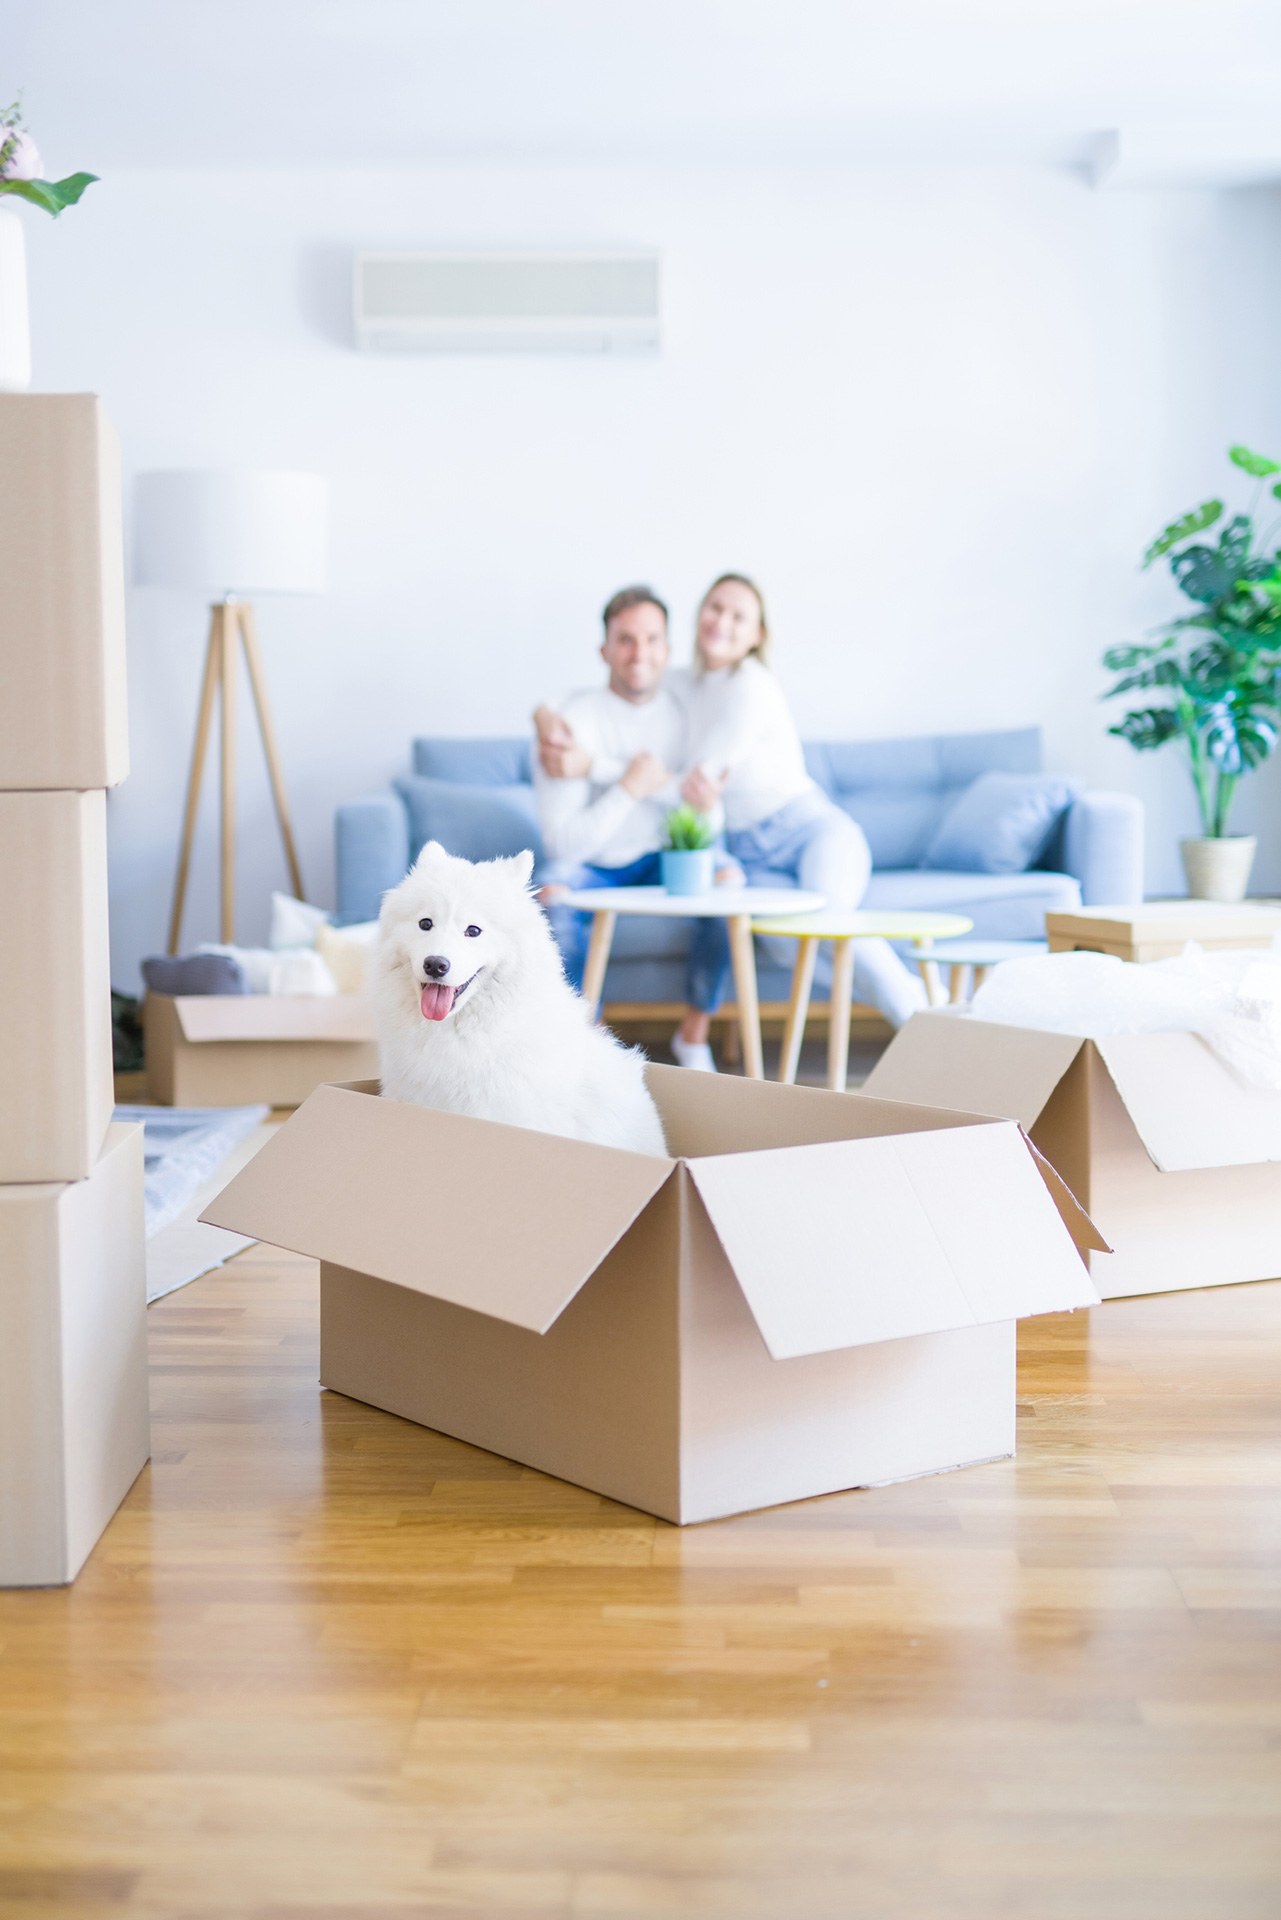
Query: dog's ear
430,855
522,866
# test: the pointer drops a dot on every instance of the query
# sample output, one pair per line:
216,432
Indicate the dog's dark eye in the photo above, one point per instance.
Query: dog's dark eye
472,933
425,925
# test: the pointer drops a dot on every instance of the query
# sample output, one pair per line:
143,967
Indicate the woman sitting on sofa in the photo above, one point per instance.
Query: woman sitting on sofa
746,753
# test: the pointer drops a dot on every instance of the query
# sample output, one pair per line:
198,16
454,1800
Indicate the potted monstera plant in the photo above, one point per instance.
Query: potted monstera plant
1216,670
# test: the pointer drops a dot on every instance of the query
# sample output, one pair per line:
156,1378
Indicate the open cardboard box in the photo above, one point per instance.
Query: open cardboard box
817,1290
234,1049
1175,1159
63,719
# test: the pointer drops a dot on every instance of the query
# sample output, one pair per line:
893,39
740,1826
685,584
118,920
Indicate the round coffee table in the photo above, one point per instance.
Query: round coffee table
737,906
843,929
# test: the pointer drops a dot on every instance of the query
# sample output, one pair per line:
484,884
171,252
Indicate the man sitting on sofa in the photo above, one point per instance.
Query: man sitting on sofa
606,777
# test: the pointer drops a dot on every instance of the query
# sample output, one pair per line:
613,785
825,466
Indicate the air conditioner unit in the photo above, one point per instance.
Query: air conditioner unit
507,302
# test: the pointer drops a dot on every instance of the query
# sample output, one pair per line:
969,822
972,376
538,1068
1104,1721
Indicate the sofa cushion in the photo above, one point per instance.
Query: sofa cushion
476,763
476,823
899,790
1003,906
1001,823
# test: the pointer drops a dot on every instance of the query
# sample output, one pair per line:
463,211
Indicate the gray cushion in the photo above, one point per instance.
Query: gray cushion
476,823
476,763
1001,823
194,973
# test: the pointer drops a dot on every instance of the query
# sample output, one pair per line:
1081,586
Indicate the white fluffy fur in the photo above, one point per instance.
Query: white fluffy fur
517,1046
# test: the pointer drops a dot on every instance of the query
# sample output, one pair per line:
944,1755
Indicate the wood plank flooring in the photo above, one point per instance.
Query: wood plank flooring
326,1665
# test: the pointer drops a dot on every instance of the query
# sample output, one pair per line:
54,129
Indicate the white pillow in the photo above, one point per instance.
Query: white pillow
293,922
298,971
346,952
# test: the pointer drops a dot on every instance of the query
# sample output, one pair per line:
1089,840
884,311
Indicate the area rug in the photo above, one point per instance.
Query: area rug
191,1153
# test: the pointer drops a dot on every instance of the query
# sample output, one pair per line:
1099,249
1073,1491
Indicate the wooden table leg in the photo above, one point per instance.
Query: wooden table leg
957,982
797,1008
838,1015
598,959
743,955
929,972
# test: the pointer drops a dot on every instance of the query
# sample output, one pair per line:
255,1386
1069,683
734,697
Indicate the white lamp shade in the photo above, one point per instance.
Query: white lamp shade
235,533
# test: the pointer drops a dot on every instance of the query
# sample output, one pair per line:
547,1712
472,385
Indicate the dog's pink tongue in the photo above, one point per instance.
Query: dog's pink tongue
436,1001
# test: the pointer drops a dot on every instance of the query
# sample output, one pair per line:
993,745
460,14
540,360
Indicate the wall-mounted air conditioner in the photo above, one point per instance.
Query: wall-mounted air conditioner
507,302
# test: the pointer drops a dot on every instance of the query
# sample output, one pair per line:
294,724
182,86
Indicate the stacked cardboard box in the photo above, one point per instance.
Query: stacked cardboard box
73,1381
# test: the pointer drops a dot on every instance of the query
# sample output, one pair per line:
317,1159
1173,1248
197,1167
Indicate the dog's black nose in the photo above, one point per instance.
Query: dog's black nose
435,966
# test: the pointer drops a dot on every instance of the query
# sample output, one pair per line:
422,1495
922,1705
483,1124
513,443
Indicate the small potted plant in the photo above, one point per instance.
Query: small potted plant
1219,670
689,860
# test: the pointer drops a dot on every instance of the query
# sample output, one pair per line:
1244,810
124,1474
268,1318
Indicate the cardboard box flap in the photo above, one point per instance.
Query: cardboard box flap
848,1242
1086,1237
949,1060
274,1016
500,1219
1188,1108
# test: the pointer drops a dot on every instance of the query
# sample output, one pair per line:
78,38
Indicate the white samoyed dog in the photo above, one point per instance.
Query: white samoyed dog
475,1016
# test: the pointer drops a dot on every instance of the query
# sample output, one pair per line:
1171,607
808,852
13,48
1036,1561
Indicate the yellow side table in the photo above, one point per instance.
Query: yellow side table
843,929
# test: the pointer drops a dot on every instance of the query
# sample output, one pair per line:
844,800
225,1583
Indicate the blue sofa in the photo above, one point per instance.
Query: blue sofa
477,798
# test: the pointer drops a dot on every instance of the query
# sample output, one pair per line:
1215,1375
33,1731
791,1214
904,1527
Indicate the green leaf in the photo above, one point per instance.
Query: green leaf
1216,573
1148,728
1195,522
53,195
1254,463
688,831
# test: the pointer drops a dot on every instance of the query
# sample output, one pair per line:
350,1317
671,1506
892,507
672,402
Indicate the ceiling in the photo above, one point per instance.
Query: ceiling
1172,89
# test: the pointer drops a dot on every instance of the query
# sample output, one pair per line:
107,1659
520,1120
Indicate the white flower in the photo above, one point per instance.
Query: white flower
22,160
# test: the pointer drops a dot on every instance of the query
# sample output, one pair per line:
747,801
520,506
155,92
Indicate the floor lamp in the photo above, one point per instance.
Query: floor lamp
231,535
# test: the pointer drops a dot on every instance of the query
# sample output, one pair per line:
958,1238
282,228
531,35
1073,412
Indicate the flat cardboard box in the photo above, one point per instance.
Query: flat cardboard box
55,985
233,1050
1174,1158
63,719
74,1430
817,1291
1160,929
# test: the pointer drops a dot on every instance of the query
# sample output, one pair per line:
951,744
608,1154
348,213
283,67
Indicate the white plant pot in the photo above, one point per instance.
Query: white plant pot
15,326
1218,869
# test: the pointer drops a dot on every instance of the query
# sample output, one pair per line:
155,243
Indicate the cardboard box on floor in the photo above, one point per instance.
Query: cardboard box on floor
55,985
1160,929
233,1050
74,1431
62,602
1173,1157
817,1291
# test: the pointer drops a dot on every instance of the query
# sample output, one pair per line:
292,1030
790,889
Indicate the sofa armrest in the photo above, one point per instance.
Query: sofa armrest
371,845
1103,848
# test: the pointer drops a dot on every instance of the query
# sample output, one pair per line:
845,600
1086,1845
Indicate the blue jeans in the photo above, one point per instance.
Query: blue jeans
813,843
708,967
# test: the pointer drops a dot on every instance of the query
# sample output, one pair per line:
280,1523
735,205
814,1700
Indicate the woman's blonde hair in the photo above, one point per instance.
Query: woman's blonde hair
761,650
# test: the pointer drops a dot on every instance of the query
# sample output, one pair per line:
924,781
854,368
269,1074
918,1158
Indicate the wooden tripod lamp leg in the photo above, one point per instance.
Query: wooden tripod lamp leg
213,660
228,742
253,660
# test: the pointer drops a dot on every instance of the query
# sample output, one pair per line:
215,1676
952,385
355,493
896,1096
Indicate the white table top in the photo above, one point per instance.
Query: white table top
725,901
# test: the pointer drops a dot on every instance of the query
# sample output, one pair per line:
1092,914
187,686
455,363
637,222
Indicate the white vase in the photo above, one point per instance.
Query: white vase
15,326
1218,869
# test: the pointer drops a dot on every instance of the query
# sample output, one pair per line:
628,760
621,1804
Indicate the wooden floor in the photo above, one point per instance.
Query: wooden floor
325,1663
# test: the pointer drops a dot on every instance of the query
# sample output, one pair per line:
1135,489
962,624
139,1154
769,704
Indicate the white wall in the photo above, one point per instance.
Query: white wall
939,414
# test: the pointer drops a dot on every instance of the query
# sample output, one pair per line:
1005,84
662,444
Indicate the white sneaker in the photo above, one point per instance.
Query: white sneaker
693,1053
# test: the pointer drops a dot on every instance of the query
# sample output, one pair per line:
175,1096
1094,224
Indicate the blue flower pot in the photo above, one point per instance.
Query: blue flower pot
689,872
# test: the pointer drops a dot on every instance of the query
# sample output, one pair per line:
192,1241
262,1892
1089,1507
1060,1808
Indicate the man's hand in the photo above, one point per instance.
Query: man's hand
728,872
565,763
553,731
702,790
645,775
